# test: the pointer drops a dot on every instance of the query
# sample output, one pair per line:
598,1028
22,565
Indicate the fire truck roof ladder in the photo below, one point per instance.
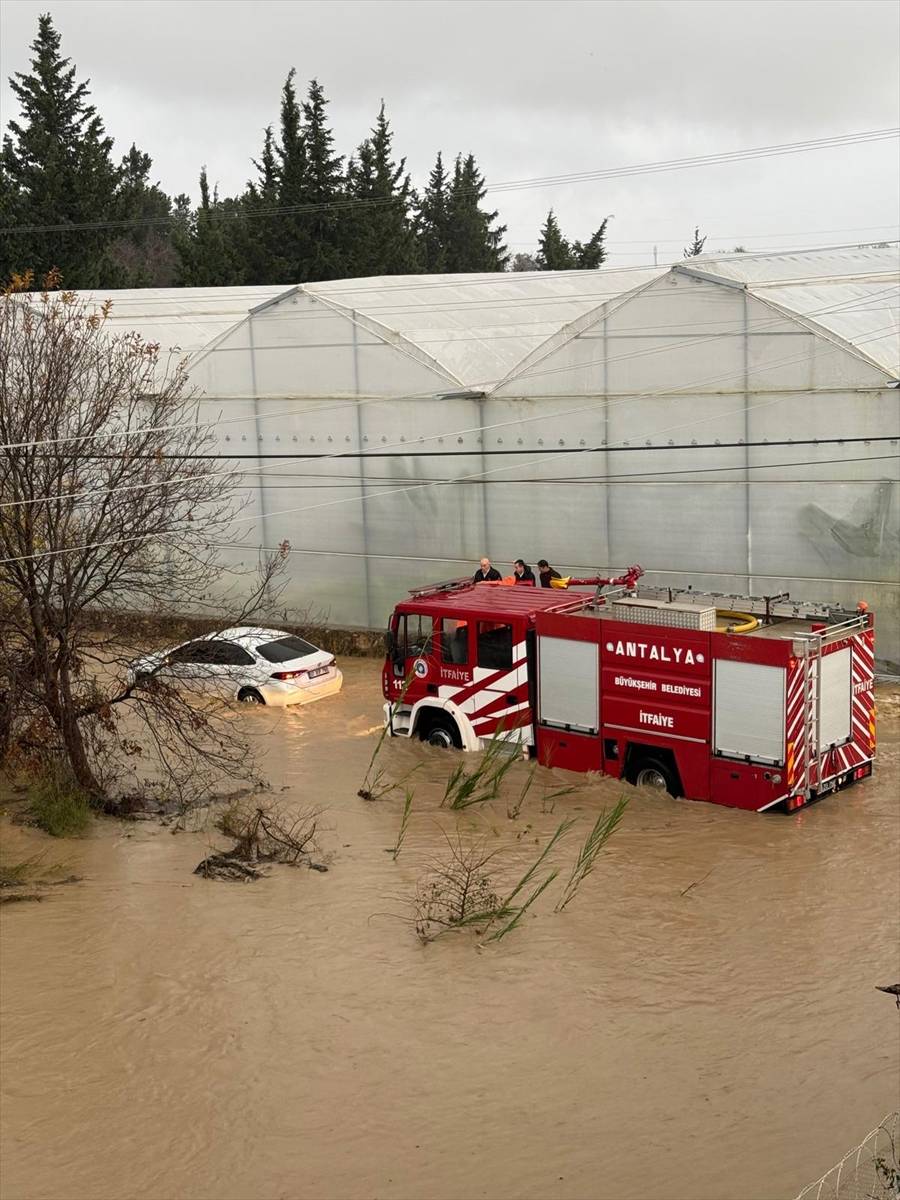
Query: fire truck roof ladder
445,585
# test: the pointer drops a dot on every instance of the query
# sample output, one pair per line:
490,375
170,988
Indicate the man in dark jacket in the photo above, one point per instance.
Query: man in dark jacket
486,572
523,572
546,572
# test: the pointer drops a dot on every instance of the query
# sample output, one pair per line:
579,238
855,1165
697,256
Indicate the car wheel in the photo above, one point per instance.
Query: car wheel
250,696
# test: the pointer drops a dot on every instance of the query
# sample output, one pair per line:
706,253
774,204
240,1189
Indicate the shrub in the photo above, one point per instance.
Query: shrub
59,806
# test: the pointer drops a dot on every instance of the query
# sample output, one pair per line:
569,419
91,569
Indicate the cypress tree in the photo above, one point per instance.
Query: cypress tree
57,170
434,219
695,249
324,185
591,254
263,241
292,263
381,231
207,251
554,252
143,255
475,244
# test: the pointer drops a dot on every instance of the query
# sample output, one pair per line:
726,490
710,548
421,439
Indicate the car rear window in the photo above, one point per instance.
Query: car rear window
286,648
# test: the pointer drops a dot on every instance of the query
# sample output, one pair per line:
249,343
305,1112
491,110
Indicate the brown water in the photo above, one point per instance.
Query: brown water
169,1037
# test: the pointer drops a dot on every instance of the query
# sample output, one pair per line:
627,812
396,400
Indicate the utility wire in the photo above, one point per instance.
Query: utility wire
481,428
482,453
339,206
379,495
777,319
593,480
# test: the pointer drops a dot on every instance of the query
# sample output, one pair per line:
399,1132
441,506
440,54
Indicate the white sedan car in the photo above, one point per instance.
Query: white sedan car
254,666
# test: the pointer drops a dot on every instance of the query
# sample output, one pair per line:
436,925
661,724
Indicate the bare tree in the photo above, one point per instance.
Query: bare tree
108,506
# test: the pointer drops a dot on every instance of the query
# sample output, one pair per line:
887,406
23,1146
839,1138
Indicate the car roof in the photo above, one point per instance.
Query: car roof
493,600
253,634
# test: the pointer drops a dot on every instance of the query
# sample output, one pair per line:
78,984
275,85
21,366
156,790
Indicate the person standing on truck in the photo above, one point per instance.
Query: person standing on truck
546,573
523,572
486,572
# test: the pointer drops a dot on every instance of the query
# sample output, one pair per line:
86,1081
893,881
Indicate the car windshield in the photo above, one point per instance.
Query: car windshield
284,649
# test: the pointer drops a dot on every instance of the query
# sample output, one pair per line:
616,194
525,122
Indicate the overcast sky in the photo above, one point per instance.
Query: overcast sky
532,89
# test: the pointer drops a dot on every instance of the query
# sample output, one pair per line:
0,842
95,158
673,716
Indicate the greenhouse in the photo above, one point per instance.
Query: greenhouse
730,423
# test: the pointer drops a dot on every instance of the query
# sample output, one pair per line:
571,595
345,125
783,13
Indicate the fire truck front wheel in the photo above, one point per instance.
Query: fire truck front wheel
437,729
651,771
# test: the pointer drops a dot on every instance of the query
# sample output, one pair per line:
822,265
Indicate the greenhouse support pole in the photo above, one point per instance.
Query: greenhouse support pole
485,522
607,491
261,490
747,485
363,489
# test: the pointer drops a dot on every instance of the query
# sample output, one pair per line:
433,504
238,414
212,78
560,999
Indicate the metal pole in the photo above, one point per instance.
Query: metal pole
261,489
364,491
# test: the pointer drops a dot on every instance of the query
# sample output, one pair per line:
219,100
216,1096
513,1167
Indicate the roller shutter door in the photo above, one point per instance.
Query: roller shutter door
749,708
569,684
836,699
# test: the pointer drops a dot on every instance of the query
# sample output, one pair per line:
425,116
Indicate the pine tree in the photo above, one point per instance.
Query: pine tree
324,186
381,231
143,255
57,170
592,253
474,244
434,219
554,252
262,248
208,254
695,249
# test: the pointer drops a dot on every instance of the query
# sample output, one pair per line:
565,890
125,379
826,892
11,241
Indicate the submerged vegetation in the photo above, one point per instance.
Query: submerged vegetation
28,879
460,890
262,836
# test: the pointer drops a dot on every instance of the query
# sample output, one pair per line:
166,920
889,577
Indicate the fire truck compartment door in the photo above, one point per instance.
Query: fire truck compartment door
834,728
569,684
748,720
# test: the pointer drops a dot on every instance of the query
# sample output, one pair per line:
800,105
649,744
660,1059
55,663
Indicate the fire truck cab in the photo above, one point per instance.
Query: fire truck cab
751,702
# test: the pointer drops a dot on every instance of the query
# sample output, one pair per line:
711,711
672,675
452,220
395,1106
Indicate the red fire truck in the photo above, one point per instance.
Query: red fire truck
753,702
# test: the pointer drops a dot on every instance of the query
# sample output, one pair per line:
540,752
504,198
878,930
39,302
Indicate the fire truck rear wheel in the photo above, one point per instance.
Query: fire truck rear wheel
656,774
441,732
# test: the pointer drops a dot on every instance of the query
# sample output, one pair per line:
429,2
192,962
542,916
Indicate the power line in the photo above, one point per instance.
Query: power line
337,206
594,480
484,453
515,421
683,343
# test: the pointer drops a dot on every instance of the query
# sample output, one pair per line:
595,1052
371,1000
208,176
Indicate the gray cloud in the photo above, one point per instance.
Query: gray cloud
532,89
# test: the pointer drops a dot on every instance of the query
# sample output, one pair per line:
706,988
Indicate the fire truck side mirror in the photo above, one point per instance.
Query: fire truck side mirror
390,645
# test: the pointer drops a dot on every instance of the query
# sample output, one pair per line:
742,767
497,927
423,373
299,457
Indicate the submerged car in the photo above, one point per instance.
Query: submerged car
254,666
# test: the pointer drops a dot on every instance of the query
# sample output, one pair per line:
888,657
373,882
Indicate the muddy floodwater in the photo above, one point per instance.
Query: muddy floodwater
165,1036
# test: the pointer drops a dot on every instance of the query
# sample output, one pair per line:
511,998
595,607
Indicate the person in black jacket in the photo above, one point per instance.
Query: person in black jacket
486,572
546,572
523,572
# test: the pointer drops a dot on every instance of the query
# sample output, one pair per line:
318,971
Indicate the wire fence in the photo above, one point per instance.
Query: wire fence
870,1171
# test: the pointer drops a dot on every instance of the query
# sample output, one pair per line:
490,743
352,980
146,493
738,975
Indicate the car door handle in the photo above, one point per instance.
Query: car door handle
432,688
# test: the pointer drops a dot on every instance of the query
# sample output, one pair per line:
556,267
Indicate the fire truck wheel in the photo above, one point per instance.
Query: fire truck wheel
655,774
440,731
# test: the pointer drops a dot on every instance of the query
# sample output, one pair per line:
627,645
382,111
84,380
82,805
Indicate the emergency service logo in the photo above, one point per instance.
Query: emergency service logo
421,668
